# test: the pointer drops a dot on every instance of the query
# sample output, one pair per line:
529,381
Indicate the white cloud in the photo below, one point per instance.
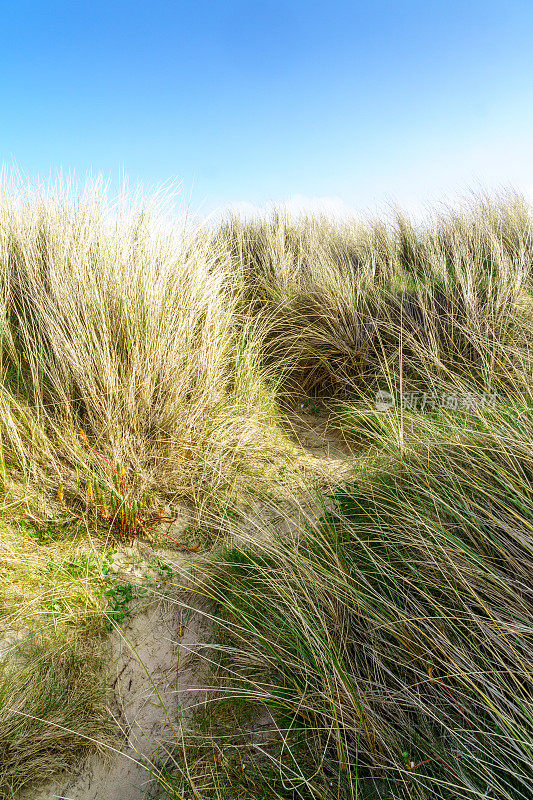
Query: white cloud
418,206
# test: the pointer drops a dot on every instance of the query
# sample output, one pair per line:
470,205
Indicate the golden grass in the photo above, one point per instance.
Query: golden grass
126,329
146,363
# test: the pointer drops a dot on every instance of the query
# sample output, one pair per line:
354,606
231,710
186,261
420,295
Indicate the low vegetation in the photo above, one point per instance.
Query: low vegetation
53,703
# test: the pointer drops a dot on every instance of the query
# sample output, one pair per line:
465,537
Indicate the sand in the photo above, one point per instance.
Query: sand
157,662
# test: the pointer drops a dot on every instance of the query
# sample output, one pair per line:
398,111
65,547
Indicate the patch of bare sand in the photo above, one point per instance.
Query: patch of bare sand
158,667
323,443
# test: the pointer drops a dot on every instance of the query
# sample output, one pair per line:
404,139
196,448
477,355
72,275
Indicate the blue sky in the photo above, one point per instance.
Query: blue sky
352,103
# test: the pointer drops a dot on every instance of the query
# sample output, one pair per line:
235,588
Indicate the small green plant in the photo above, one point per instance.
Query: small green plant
119,596
311,406
48,531
79,567
163,568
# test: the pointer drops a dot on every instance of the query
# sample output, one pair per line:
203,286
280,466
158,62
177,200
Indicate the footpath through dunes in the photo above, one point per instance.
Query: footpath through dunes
157,670
159,655
323,443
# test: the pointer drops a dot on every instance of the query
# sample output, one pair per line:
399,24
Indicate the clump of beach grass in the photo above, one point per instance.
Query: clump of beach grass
395,630
349,305
129,386
53,699
123,353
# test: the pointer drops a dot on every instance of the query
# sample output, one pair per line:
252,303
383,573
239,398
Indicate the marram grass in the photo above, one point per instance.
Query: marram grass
147,363
396,629
123,352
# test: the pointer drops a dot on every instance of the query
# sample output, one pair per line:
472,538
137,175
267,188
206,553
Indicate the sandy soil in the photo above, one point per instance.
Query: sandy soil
323,443
157,660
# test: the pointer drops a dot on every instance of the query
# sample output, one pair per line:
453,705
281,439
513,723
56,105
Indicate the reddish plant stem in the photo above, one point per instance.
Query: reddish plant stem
128,531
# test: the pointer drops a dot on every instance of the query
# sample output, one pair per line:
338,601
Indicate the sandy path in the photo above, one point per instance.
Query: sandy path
315,433
157,668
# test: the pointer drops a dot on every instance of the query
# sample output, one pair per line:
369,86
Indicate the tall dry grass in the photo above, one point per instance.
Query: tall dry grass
347,306
391,634
53,698
122,323
144,363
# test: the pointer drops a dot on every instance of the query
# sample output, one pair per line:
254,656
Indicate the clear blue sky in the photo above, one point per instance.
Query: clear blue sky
248,102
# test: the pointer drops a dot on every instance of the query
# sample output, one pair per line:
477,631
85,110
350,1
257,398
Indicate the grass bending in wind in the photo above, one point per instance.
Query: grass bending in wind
397,630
